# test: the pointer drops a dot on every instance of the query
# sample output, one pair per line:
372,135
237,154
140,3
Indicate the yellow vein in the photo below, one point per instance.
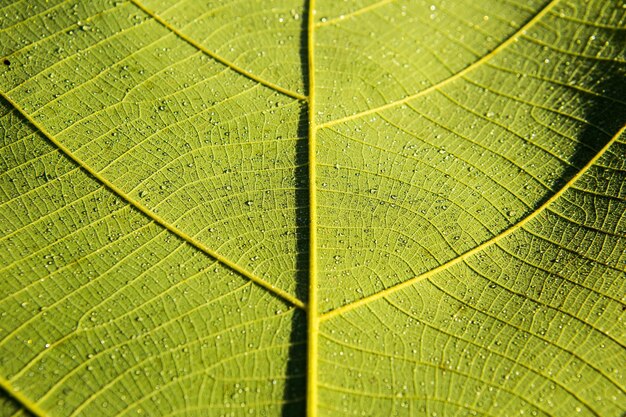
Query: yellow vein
218,58
22,399
354,13
482,246
511,39
153,216
312,313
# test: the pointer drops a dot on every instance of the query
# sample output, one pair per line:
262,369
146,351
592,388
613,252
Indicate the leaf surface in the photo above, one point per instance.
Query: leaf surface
326,208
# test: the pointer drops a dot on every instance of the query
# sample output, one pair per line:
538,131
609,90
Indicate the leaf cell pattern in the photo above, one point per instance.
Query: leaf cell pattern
316,208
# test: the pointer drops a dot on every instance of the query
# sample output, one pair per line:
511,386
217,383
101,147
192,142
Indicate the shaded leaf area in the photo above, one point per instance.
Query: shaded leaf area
534,322
409,187
10,407
156,200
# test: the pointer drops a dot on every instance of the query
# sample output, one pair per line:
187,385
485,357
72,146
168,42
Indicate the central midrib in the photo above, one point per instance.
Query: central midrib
312,312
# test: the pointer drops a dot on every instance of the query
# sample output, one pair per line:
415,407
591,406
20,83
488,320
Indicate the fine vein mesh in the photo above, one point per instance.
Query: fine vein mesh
470,207
406,188
213,153
264,41
105,312
532,325
399,48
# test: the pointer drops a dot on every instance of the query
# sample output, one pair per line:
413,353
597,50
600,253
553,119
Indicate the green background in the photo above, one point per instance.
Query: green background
330,208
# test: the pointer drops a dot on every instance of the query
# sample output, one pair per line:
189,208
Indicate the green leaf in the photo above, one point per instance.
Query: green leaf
317,208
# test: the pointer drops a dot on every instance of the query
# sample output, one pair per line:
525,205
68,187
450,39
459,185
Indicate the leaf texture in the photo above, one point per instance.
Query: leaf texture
320,208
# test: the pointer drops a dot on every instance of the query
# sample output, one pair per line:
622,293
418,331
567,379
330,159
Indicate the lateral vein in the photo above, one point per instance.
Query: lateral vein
453,77
22,399
153,216
482,246
218,58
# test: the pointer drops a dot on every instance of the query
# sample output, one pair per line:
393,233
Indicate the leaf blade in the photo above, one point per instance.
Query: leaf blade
506,300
